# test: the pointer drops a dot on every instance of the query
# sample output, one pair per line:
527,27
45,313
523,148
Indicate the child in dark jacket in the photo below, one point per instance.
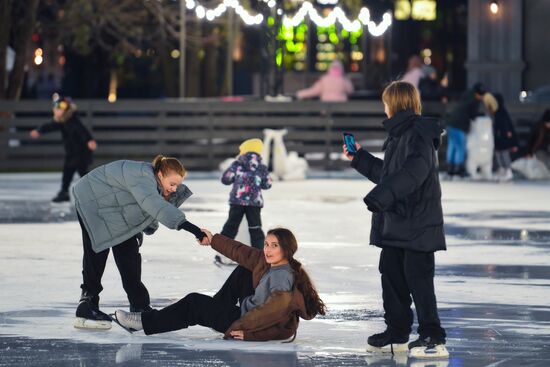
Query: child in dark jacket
249,176
407,222
77,141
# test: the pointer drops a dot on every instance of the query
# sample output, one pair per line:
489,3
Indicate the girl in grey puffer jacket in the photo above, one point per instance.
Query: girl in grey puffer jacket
115,203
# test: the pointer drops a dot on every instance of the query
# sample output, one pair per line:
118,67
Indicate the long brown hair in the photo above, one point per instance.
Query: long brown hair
168,164
287,241
400,96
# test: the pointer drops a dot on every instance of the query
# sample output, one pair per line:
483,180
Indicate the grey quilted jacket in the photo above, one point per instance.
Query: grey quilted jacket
123,198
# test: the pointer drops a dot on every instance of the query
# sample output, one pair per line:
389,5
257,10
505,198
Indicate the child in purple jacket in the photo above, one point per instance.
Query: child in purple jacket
249,176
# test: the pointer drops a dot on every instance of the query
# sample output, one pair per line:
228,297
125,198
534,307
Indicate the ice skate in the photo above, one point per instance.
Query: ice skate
88,315
387,343
131,321
61,197
428,347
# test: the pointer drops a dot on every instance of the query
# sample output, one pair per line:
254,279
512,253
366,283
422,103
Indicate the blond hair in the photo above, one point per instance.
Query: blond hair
167,164
490,102
400,96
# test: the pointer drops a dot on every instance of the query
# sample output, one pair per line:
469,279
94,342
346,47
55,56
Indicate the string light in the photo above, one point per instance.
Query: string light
337,14
211,14
307,9
494,7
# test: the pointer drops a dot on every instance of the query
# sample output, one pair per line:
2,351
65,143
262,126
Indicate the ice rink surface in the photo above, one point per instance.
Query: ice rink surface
493,283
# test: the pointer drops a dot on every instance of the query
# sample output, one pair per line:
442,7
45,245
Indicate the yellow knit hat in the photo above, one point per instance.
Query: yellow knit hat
251,146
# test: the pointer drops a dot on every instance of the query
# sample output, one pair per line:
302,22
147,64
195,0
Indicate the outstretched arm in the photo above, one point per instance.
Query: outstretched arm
244,255
313,91
44,129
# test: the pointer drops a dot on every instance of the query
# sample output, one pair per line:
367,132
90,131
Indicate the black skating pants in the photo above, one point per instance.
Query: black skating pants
217,312
253,217
69,169
405,273
128,262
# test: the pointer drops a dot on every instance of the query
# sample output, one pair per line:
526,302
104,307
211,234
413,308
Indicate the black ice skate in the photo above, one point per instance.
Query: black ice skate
88,315
387,343
61,197
428,347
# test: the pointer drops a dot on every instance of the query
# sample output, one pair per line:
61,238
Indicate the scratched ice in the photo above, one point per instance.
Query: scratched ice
493,283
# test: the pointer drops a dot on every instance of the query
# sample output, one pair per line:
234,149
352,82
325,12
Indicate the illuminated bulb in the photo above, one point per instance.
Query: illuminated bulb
494,7
38,59
175,53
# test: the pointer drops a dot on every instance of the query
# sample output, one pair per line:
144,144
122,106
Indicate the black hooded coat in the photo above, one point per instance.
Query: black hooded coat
406,201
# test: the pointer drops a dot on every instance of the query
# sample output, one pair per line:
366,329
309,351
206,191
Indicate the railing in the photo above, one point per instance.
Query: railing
203,133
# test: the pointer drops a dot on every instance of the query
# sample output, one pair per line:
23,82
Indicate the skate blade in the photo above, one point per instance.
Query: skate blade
440,351
390,348
82,323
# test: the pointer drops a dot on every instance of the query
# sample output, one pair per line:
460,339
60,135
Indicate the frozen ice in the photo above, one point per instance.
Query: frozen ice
493,283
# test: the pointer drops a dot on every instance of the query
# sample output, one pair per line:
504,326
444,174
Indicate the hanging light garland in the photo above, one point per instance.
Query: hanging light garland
337,14
211,14
307,9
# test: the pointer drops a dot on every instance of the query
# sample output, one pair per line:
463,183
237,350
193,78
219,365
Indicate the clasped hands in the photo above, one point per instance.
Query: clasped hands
206,239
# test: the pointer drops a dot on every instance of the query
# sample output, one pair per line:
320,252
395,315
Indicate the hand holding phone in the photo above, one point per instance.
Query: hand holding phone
349,143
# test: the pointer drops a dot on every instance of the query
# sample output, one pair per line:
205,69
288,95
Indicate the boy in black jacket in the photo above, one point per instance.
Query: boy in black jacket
77,141
407,222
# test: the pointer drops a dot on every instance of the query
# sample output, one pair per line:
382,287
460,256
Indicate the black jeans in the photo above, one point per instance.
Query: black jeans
405,273
217,312
69,169
253,217
128,262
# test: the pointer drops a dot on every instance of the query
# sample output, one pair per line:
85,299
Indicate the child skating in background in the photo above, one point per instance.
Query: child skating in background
77,140
249,176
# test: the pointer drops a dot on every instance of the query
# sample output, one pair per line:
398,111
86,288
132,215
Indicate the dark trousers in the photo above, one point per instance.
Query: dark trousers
69,170
217,312
253,217
406,273
128,262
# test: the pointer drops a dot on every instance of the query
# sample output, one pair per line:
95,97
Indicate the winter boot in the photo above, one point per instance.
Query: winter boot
62,196
428,347
129,320
387,343
88,315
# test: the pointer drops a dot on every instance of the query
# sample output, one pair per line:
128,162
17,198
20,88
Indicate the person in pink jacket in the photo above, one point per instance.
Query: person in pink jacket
331,87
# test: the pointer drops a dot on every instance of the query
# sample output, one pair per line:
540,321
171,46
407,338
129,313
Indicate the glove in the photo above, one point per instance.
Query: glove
190,227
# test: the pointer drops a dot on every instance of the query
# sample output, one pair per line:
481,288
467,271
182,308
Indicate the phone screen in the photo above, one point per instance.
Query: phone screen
349,140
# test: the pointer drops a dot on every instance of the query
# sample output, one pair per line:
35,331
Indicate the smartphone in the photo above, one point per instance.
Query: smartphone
349,140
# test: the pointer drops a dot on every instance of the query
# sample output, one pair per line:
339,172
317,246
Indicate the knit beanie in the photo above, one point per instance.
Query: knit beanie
251,146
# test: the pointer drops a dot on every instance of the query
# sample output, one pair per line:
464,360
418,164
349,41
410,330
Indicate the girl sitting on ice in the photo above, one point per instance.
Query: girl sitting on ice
271,287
